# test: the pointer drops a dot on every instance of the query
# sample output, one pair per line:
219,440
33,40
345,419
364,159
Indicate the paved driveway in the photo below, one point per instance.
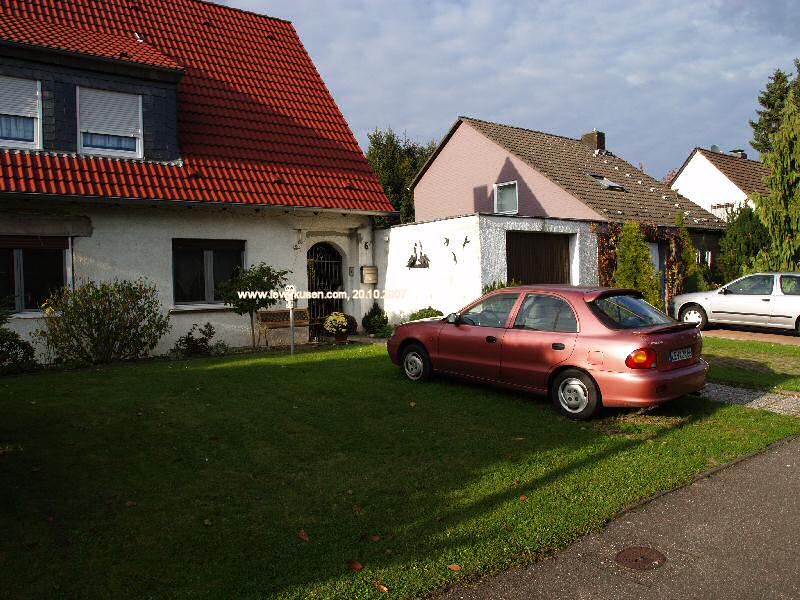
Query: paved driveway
733,535
754,334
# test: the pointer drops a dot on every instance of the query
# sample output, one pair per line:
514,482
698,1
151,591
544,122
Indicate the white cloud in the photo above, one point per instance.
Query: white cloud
658,78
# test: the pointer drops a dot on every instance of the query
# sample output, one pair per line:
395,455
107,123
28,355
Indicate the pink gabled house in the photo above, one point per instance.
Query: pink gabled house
496,202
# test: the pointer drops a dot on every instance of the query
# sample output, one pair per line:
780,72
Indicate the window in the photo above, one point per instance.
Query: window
109,123
546,313
19,113
505,198
30,270
628,312
607,183
790,285
754,285
200,266
492,312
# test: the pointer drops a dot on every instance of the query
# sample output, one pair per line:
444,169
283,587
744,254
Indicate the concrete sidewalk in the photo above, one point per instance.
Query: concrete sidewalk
733,535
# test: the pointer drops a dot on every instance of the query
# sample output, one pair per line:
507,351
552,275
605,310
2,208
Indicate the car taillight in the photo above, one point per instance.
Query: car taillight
643,358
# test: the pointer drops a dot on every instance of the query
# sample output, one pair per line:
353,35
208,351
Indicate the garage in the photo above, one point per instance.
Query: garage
534,257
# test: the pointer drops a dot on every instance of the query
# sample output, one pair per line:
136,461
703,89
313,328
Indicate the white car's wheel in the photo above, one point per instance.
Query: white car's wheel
694,313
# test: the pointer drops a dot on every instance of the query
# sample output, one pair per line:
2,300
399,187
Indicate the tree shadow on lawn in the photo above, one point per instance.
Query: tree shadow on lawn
751,373
227,460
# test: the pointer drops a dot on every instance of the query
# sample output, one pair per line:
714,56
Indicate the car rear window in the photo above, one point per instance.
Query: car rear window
628,312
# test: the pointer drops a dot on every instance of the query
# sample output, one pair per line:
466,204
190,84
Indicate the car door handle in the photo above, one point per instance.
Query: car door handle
765,299
558,346
491,339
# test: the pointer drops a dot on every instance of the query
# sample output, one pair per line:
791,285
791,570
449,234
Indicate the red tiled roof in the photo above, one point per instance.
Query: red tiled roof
257,125
125,48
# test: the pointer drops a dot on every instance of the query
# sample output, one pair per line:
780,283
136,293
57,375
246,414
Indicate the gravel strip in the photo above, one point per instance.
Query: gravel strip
778,403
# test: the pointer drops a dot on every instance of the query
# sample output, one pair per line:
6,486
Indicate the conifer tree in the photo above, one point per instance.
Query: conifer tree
634,268
773,99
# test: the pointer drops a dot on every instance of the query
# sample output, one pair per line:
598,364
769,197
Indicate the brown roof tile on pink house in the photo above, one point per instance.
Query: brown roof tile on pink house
460,181
557,177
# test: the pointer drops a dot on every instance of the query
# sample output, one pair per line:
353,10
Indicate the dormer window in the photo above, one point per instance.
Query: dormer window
607,183
109,123
20,110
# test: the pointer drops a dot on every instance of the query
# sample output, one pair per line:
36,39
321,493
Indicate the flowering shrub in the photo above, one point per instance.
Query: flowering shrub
336,323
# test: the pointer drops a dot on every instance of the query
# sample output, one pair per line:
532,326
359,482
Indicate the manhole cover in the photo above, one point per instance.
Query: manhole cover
640,558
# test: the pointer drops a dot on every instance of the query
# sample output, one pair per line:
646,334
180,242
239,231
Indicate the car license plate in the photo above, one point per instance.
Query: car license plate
680,354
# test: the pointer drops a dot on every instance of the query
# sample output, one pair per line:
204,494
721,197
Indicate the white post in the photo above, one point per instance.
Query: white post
289,296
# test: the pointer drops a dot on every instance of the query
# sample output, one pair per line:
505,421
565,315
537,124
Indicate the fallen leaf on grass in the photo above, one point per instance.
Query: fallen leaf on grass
454,567
207,522
412,404
518,439
381,588
375,537
355,565
516,482
303,535
507,527
130,503
357,509
523,498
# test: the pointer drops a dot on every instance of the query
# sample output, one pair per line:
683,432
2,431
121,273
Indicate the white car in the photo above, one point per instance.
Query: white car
760,299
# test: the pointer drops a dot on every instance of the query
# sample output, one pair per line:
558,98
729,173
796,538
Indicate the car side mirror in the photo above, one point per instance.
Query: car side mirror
452,318
723,291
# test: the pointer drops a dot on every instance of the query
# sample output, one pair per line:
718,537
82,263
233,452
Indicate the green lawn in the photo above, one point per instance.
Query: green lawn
759,365
192,479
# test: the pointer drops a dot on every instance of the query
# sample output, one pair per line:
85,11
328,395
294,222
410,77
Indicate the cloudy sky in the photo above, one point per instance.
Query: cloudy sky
658,77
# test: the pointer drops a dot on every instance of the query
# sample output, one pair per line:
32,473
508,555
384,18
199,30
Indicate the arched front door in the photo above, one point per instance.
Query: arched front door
324,275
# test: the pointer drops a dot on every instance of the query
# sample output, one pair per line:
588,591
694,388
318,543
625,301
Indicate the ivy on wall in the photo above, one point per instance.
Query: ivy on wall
608,235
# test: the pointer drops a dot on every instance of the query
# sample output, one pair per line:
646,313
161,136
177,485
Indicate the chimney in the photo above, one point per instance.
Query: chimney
739,153
596,140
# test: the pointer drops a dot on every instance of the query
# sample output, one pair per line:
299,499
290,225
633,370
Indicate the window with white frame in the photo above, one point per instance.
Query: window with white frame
30,270
20,113
109,123
506,200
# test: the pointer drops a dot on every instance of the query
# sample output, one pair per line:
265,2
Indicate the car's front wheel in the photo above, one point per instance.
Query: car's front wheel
575,394
694,313
416,363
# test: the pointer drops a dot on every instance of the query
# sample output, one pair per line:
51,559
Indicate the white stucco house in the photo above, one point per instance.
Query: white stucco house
500,203
135,147
719,181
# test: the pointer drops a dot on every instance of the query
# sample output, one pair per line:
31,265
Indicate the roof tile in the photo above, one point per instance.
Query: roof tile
253,107
569,162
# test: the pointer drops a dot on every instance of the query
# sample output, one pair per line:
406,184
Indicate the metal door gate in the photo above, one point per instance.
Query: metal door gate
324,275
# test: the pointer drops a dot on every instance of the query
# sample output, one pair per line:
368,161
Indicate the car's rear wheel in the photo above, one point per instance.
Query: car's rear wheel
694,313
416,363
575,394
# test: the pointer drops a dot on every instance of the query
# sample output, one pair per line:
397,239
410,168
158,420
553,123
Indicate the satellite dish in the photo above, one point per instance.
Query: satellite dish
715,148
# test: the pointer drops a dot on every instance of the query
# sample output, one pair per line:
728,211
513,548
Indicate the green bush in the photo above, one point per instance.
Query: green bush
375,319
384,332
745,236
425,313
103,322
498,285
16,354
634,266
197,342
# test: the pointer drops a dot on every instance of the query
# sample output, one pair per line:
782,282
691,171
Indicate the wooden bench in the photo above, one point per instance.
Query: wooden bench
279,319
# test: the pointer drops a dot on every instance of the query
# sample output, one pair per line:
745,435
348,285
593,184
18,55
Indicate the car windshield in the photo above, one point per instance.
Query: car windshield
628,312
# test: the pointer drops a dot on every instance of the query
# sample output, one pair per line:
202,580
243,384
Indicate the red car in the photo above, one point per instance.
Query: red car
585,347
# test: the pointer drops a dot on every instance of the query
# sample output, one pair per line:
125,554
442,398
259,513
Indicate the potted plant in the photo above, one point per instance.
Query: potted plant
336,323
